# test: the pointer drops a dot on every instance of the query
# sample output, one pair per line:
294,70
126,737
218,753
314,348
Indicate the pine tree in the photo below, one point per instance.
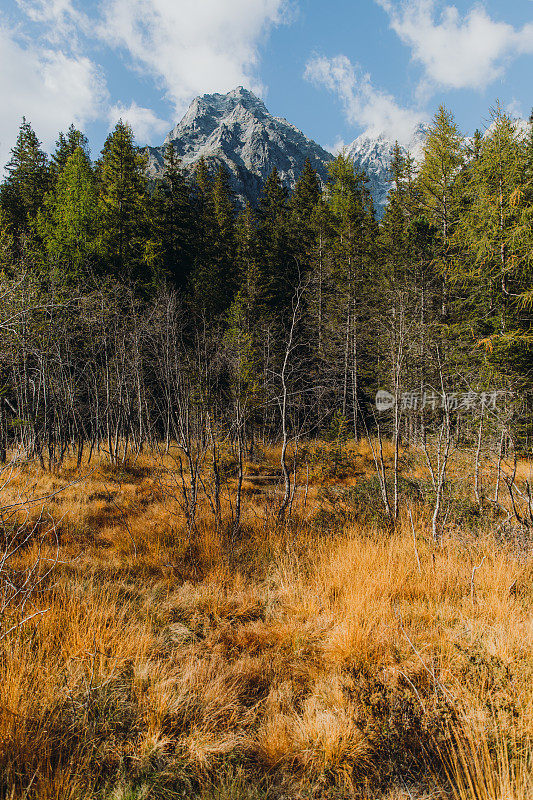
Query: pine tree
66,145
174,224
27,181
68,219
354,231
279,264
123,202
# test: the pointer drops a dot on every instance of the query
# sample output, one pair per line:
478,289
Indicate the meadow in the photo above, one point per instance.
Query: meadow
323,653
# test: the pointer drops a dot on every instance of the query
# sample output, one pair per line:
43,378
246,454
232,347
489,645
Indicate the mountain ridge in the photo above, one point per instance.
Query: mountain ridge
237,130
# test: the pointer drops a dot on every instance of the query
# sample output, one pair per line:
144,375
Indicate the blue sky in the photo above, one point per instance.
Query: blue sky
334,68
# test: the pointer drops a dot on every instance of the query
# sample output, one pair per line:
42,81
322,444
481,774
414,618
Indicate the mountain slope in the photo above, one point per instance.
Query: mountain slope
236,130
373,154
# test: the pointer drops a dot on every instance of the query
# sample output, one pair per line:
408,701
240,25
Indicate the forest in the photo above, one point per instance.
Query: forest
125,298
266,496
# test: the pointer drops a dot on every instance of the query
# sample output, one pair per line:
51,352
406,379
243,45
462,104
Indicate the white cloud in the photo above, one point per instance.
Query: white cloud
60,21
187,47
193,47
374,110
47,10
457,52
337,147
514,109
52,89
144,122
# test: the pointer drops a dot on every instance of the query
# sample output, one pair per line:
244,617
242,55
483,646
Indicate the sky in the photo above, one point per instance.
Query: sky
333,68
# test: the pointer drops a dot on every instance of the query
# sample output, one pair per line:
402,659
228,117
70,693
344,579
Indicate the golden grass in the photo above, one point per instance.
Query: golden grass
300,662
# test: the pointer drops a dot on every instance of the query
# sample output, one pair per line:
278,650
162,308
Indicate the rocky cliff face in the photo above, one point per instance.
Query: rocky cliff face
236,130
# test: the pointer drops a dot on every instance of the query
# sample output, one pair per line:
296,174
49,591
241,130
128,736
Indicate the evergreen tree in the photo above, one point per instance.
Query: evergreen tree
27,181
491,268
174,219
123,206
279,265
443,159
304,200
214,273
490,251
224,243
306,194
68,219
7,246
354,231
66,145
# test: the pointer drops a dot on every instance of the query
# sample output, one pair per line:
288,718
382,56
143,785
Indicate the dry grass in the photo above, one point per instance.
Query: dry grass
309,660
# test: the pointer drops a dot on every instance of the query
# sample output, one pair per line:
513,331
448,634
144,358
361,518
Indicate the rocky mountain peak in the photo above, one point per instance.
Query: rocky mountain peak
237,130
373,154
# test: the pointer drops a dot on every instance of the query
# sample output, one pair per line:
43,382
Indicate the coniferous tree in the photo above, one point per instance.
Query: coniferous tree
66,145
214,272
174,220
443,159
68,221
224,240
491,252
353,230
123,212
303,202
27,181
490,268
7,246
279,267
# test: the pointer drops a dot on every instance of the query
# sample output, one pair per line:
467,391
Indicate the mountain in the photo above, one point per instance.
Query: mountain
237,130
373,154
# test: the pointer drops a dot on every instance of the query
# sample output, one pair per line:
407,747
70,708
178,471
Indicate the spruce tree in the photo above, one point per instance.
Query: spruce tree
225,243
174,214
306,193
214,272
27,181
279,265
123,203
304,199
66,145
68,219
354,230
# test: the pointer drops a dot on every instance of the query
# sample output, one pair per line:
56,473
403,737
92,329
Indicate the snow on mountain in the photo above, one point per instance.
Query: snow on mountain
373,154
236,130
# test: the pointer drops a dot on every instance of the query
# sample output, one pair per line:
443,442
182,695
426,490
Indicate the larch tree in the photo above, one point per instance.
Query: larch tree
68,220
